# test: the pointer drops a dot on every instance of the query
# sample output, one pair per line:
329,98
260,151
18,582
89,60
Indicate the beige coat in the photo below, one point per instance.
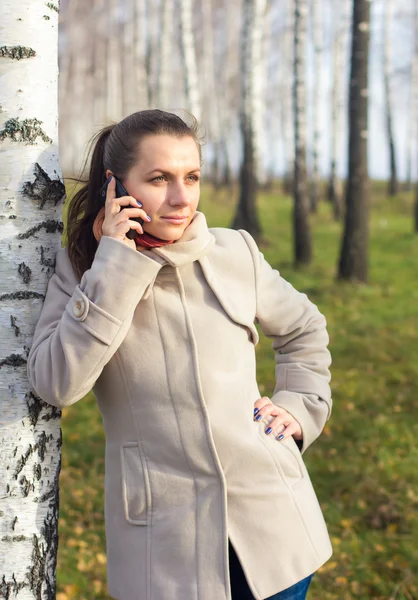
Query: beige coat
166,339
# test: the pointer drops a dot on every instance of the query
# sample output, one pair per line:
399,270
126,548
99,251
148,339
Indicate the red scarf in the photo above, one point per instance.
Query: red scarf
145,240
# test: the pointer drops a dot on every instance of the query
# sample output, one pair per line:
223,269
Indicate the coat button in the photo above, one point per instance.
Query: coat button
78,308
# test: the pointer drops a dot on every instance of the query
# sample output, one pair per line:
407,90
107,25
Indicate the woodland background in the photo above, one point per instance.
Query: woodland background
230,64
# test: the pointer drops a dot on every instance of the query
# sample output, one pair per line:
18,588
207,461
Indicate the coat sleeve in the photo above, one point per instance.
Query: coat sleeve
81,325
300,342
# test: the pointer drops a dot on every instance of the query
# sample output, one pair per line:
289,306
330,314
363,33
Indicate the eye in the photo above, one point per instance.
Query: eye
159,178
194,177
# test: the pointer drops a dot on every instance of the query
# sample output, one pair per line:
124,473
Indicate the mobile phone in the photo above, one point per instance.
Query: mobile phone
120,191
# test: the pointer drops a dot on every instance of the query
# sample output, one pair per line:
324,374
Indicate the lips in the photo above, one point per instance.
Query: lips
175,219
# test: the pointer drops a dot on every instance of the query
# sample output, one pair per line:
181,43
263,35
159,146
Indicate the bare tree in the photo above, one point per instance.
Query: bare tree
166,48
287,65
393,181
188,52
31,195
246,216
317,26
413,100
353,263
301,228
340,34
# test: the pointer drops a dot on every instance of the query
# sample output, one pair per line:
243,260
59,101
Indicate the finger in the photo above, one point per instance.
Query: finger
111,191
134,225
135,212
278,424
263,408
287,431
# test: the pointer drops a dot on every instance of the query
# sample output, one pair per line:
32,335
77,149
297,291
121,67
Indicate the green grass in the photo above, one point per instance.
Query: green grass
364,466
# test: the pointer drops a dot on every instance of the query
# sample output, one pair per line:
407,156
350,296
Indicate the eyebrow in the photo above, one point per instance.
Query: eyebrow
164,172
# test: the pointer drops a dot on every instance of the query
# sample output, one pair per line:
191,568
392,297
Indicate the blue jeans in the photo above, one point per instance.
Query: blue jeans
241,591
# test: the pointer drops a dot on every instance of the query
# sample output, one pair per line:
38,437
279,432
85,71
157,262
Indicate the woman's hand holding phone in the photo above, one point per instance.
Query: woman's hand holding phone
117,222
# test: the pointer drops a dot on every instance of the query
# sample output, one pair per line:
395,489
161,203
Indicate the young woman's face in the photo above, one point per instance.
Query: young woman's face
166,179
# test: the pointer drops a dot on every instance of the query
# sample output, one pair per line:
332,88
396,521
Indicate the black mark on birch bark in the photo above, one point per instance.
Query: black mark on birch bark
16,52
43,188
7,588
52,6
14,523
27,131
13,360
14,538
14,326
37,570
22,295
50,226
25,272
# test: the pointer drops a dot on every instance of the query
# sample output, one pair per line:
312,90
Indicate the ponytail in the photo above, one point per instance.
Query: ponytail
85,205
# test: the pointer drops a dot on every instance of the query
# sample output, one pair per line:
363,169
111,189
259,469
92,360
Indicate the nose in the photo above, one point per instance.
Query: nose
178,194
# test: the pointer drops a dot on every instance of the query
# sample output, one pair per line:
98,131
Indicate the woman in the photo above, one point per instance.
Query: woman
206,493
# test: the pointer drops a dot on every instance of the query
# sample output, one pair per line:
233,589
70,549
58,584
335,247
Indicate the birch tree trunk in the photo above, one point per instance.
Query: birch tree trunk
393,181
286,98
318,52
166,48
413,102
301,227
353,264
341,15
31,194
210,103
188,52
114,72
142,85
246,216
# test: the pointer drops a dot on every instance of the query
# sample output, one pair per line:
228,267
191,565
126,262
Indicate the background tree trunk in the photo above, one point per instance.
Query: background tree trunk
31,194
413,103
166,49
286,97
301,228
189,58
393,178
246,216
318,35
341,24
353,262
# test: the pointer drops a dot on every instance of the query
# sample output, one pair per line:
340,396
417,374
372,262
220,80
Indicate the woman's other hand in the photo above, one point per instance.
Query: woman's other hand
283,424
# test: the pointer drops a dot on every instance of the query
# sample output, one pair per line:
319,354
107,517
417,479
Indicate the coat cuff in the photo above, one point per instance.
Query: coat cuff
309,410
111,288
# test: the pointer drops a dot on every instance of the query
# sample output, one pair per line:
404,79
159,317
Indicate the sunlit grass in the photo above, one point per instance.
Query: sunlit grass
364,466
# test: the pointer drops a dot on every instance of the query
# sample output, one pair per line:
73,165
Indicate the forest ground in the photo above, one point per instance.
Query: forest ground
363,466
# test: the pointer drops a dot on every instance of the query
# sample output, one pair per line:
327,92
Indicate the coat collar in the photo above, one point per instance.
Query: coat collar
194,243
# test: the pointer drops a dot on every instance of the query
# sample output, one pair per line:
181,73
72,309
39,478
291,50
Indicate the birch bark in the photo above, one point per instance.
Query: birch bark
246,216
340,36
353,263
301,228
393,177
188,52
166,48
31,194
318,53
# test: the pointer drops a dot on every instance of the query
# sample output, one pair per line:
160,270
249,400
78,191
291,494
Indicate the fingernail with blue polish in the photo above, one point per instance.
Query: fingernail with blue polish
256,411
258,417
268,430
148,218
140,203
281,436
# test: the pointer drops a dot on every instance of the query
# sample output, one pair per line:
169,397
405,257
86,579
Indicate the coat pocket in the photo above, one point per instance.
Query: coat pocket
287,458
135,484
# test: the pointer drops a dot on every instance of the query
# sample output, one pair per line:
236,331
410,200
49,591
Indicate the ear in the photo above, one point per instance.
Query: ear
108,173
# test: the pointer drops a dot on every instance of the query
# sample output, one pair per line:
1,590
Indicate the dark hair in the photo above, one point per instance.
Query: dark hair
115,147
